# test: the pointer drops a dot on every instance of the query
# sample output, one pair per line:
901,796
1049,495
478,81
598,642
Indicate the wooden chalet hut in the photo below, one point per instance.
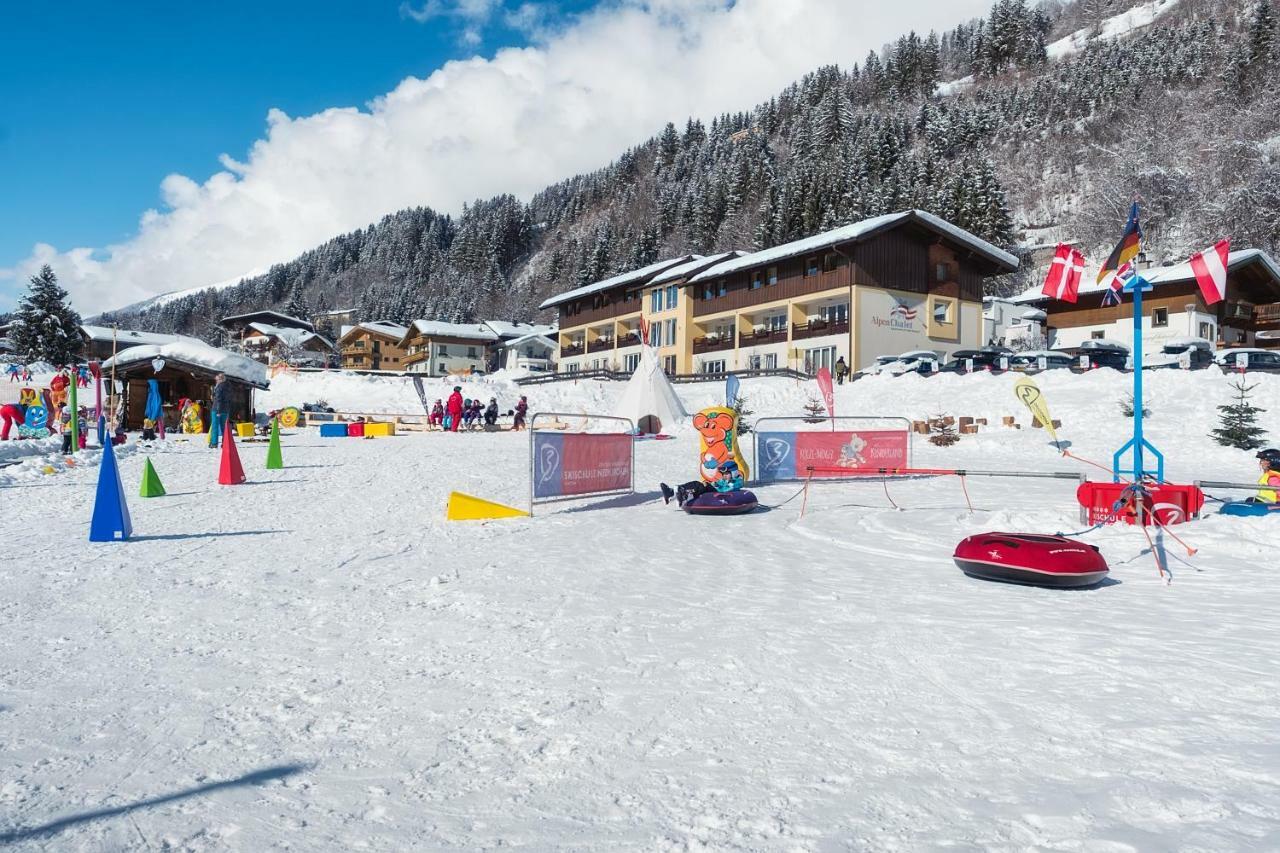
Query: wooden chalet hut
184,370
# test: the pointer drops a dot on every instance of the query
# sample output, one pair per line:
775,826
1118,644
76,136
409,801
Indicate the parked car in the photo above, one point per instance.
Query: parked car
1032,361
1196,351
916,361
1100,353
986,358
875,367
1265,361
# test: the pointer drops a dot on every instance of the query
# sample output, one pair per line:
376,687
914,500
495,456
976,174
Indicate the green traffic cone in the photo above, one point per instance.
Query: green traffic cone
274,460
151,485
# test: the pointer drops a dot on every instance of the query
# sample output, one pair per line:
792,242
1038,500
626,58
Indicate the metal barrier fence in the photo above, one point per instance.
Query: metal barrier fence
566,465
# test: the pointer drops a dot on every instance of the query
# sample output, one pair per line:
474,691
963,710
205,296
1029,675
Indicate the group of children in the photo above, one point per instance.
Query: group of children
465,413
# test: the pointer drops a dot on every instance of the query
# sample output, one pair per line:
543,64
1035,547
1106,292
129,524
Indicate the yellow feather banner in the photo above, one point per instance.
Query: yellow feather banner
1033,398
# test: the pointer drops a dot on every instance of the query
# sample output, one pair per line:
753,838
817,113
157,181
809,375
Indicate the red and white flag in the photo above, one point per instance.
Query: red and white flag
1210,267
1063,281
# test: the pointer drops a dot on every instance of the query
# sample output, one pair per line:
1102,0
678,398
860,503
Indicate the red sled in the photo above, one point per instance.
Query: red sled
1035,560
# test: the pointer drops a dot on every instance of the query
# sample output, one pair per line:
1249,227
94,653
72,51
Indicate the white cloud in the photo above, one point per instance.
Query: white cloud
513,123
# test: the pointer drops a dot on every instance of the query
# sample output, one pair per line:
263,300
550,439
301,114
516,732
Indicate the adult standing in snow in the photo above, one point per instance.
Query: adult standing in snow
221,408
841,371
454,408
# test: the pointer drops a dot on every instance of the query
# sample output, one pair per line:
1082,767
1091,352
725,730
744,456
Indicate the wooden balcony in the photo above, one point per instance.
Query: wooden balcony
601,345
712,344
571,350
1266,315
629,340
818,328
762,337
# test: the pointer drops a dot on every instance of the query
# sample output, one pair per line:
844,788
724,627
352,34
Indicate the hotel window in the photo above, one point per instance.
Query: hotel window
655,335
722,287
713,366
940,272
771,361
757,280
631,362
672,296
772,277
811,267
836,313
442,350
655,301
1159,317
776,323
819,357
829,261
707,293
670,333
941,312
1097,335
669,365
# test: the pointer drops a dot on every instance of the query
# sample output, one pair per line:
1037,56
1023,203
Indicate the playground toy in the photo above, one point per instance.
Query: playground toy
383,428
289,417
151,485
355,429
721,466
333,430
464,507
110,522
1034,560
244,430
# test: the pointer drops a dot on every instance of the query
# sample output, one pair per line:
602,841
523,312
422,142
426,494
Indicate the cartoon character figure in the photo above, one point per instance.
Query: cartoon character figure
851,453
718,427
27,397
189,413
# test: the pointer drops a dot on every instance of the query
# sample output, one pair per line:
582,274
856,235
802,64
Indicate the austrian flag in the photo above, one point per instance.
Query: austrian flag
1210,268
1063,281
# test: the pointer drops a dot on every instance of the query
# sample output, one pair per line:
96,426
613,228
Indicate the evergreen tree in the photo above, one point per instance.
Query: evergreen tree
814,411
942,431
1238,425
46,327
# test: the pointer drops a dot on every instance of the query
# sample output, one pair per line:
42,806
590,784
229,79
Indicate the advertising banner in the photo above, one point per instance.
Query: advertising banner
788,455
580,464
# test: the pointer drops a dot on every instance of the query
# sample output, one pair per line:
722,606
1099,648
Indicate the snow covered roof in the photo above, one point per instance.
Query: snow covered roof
641,275
275,317
291,337
695,266
440,329
542,339
504,329
858,231
193,353
1161,275
377,327
129,337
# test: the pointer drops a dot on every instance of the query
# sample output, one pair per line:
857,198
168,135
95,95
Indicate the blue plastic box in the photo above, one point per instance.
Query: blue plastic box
333,430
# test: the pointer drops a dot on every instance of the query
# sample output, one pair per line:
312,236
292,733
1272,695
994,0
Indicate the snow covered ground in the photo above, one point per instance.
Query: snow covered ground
316,660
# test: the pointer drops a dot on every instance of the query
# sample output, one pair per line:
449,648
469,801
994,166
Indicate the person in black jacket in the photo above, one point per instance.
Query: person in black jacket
491,413
221,408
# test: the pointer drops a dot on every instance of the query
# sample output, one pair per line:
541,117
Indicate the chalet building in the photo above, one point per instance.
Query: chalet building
434,348
535,353
1249,316
269,336
889,284
373,346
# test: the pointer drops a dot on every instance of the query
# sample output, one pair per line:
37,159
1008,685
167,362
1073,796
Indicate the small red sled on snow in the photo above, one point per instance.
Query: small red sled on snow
1027,558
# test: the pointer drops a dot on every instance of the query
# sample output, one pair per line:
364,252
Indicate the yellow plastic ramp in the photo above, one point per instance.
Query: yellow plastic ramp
463,507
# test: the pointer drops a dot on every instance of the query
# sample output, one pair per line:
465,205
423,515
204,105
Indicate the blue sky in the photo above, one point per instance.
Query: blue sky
114,109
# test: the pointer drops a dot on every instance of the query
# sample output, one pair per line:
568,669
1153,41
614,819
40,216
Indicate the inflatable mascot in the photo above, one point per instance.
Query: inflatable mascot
722,470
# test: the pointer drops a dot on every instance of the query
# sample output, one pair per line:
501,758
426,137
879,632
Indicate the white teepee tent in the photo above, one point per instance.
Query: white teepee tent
649,397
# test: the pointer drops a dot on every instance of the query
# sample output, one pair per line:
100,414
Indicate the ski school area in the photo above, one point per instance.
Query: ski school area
316,656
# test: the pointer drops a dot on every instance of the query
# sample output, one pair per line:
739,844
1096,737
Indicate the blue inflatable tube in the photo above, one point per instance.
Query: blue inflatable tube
1249,508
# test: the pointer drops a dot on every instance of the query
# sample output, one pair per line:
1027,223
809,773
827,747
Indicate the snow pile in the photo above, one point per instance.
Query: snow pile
1114,27
195,353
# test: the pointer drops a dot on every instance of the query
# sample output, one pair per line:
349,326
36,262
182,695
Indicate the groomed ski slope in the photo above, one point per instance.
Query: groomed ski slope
621,676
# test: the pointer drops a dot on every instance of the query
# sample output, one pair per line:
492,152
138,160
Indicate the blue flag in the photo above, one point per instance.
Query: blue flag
731,390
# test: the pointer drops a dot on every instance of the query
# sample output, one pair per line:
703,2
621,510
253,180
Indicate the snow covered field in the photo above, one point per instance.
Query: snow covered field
316,660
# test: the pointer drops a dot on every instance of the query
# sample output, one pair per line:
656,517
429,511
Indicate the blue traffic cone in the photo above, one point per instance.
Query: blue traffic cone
110,513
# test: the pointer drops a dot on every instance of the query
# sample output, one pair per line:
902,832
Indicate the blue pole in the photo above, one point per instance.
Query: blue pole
1138,440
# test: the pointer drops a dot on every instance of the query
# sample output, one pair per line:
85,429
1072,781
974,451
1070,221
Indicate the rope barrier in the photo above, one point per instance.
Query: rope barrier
964,488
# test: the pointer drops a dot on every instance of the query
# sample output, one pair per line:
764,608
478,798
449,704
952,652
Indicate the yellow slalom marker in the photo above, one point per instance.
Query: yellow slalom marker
463,507
1033,398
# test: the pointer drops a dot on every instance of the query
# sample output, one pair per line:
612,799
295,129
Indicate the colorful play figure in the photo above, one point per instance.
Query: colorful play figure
722,469
189,415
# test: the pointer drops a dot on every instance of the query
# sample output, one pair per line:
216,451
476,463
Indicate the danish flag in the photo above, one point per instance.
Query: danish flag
1210,268
1063,280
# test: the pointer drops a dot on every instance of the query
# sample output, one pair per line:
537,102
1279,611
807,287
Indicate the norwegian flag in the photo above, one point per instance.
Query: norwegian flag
1114,287
1063,280
1210,268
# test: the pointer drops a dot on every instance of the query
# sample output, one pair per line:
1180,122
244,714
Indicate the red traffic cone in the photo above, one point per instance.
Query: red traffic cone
230,472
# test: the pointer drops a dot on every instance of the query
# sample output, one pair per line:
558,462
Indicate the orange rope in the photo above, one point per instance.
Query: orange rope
965,489
884,481
1190,551
1071,455
805,502
1155,554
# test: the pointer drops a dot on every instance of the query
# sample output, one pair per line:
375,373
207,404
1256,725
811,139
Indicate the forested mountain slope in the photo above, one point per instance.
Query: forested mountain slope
1035,134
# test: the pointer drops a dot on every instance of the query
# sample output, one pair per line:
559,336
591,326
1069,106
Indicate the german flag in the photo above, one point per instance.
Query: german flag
1127,249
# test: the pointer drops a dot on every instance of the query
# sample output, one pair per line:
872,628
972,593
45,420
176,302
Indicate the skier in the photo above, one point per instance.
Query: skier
1269,462
221,408
522,409
841,371
491,413
454,408
437,414
14,372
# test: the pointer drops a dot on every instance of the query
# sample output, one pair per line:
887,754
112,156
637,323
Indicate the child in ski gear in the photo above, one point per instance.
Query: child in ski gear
522,408
491,412
14,372
65,418
1269,462
684,493
148,429
437,414
454,408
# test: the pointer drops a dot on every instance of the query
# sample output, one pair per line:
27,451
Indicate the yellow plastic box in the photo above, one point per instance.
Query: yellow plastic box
244,430
371,429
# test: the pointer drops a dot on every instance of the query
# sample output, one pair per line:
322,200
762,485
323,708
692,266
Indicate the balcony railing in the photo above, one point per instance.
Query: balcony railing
817,328
712,344
571,349
1267,313
629,340
763,336
600,345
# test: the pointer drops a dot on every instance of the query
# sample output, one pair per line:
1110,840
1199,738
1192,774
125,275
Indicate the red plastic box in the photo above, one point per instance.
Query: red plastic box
355,430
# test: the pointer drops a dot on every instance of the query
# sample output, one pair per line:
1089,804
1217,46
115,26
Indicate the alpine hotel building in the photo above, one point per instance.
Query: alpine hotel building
888,284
